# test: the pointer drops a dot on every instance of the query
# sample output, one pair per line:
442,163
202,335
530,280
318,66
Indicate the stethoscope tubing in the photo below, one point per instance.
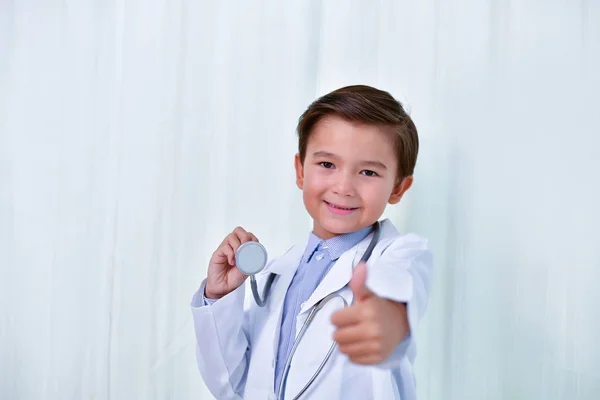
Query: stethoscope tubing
261,301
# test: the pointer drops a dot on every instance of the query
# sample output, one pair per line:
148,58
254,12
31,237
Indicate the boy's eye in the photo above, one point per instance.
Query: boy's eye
326,164
368,172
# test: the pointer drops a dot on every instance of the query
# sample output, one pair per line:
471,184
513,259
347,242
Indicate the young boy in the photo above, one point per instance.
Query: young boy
357,152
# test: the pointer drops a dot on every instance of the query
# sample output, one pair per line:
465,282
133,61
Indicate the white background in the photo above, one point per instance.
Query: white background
135,134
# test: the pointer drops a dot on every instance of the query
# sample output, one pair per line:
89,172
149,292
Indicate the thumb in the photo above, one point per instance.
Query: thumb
358,283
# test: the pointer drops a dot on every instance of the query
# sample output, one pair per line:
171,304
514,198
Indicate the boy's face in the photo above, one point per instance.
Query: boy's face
348,176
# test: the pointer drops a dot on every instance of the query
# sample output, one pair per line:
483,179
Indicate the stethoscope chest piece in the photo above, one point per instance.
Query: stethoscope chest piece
251,258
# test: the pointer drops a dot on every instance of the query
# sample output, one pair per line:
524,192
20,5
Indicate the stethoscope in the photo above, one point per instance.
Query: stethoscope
250,259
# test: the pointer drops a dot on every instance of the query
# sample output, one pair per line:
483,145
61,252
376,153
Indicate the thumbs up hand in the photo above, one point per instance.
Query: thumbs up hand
369,330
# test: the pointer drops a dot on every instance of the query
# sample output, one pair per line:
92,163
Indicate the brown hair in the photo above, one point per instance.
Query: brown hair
367,105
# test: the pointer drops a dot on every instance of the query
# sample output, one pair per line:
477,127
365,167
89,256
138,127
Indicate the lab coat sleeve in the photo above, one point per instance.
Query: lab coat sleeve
403,273
222,342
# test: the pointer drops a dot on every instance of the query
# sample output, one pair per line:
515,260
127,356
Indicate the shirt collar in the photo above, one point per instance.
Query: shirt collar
336,246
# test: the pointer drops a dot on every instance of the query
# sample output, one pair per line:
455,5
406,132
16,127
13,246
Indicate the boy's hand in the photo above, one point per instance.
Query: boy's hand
223,276
369,330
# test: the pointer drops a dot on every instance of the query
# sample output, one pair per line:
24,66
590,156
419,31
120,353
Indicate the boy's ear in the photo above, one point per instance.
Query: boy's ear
400,189
299,172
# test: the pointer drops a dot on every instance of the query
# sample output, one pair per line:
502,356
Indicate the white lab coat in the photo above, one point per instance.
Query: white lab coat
237,340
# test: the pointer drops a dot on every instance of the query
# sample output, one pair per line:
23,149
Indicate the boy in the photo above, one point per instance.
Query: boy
357,152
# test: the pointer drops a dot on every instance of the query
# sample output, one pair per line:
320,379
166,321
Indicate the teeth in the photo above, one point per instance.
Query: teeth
340,208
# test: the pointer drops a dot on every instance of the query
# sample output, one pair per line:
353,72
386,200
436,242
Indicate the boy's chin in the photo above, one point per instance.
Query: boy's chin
338,227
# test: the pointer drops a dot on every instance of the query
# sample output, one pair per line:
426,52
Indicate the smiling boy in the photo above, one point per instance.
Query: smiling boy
357,152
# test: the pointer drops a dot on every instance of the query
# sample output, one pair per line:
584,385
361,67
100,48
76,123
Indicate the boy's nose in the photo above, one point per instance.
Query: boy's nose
344,187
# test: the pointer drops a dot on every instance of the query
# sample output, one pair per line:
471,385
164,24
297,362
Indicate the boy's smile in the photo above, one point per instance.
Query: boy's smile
348,176
339,209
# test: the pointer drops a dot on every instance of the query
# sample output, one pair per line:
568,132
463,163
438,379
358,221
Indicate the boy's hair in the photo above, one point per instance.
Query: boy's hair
365,104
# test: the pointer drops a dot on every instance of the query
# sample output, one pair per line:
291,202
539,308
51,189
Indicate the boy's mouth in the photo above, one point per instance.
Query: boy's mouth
339,207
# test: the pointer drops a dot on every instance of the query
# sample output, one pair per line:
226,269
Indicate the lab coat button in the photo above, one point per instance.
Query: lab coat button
319,256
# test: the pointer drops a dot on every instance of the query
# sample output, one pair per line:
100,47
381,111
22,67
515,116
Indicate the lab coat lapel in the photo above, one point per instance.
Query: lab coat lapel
285,267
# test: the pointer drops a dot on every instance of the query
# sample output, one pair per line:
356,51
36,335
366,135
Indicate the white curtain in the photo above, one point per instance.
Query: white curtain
135,134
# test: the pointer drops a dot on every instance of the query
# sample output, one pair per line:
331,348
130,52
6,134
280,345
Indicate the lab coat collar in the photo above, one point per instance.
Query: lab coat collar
288,262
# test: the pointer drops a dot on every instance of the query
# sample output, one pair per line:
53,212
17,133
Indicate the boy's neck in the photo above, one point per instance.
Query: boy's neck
326,235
